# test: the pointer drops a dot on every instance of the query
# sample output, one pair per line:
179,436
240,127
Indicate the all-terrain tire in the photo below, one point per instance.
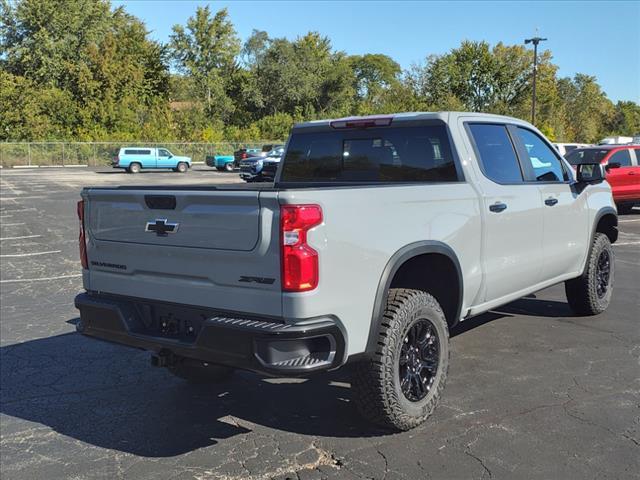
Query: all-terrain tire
198,372
583,293
376,381
134,168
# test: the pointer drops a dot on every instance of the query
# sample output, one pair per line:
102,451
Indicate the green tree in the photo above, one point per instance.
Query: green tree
206,51
255,47
587,109
81,69
374,74
625,119
303,77
86,58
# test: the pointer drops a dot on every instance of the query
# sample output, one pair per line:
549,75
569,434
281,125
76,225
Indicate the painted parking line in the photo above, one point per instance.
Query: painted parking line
628,220
620,244
17,196
10,224
31,197
20,238
15,255
42,279
19,210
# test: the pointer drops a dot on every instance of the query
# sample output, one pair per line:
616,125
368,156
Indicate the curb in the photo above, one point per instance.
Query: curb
48,166
63,166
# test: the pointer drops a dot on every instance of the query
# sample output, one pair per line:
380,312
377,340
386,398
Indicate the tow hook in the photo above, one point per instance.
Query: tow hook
164,358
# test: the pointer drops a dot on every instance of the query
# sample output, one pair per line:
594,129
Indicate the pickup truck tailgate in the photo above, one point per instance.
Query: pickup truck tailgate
216,249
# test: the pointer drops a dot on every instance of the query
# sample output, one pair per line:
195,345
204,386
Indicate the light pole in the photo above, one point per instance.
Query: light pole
535,41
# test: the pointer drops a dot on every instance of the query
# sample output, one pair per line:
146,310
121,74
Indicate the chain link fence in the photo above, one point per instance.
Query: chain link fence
96,154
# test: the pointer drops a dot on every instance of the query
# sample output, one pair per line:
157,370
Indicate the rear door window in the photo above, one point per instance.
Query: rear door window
546,166
623,157
376,155
497,156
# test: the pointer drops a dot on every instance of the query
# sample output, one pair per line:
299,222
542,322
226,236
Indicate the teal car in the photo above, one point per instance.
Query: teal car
220,162
134,159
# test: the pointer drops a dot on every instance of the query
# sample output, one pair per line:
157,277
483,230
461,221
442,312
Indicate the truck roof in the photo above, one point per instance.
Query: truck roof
410,117
610,146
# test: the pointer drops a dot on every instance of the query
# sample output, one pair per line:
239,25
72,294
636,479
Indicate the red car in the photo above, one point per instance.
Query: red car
623,170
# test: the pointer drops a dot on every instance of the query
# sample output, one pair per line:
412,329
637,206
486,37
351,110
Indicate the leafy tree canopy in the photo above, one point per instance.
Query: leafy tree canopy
83,70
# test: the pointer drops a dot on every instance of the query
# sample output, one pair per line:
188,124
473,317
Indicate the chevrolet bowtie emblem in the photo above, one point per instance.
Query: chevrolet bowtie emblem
161,227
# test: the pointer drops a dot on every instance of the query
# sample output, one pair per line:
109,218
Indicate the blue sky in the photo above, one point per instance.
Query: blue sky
593,37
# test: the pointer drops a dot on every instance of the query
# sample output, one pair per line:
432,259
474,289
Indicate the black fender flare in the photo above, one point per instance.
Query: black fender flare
601,213
393,265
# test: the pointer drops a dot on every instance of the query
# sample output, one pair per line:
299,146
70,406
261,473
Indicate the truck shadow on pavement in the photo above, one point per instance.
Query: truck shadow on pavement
109,396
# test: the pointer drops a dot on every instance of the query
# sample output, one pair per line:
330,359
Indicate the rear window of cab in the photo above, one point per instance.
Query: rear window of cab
376,155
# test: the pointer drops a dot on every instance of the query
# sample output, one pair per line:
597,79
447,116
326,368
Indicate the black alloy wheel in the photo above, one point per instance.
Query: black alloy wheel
419,359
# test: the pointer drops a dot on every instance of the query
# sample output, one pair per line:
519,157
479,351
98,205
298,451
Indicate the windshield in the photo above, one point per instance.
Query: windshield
586,155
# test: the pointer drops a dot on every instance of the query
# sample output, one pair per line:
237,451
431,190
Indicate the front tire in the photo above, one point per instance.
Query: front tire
195,371
590,293
182,167
400,385
228,167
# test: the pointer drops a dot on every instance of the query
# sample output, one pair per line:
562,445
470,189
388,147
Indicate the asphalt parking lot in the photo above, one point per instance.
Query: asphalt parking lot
533,391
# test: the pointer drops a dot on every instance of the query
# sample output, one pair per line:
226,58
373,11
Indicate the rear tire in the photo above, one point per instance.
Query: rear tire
182,167
195,371
134,168
228,167
399,386
590,293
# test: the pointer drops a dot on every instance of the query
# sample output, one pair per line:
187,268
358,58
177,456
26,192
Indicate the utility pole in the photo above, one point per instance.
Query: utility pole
535,41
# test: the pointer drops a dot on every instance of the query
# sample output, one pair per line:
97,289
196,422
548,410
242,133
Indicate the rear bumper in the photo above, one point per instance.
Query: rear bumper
262,345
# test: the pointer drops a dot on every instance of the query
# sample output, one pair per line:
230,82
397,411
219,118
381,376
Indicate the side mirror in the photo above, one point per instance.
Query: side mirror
612,165
589,173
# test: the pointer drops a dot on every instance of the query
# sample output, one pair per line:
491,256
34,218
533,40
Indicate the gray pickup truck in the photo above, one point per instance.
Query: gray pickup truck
377,237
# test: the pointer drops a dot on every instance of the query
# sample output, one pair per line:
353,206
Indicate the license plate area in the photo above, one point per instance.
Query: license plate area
168,321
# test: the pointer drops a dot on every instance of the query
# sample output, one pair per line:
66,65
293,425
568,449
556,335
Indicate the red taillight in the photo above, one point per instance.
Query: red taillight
299,260
243,155
82,241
